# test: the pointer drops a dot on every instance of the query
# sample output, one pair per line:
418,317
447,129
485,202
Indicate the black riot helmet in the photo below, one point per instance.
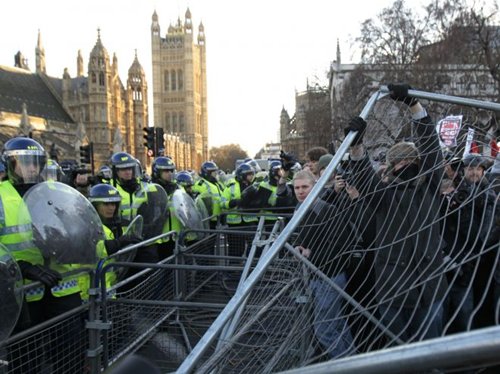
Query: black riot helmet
207,168
243,171
105,172
253,163
24,159
105,193
123,160
160,164
184,179
274,169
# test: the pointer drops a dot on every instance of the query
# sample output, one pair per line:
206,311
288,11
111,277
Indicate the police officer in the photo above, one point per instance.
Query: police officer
263,195
231,198
163,173
134,193
185,180
210,190
25,158
106,200
104,174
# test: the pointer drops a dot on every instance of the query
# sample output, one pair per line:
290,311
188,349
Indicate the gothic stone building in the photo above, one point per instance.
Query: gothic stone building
65,113
180,90
310,124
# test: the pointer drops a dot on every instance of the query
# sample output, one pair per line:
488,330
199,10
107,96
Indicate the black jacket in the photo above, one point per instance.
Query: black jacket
408,246
327,230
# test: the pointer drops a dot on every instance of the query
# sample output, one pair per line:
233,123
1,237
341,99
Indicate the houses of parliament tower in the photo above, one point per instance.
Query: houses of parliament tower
180,89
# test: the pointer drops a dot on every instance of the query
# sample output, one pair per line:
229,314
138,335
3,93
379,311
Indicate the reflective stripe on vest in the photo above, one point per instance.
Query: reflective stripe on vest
128,208
215,193
64,286
14,229
272,199
16,233
234,190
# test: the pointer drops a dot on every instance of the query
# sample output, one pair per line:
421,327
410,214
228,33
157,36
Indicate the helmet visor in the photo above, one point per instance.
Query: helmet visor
25,168
51,173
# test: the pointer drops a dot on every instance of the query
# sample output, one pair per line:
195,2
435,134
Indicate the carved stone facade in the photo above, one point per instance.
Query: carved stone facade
180,90
309,125
69,112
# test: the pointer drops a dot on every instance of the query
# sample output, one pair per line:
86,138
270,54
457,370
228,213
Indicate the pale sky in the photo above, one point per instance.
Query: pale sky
259,52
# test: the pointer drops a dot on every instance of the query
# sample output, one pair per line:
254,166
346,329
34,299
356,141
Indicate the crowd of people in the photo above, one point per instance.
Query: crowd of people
426,223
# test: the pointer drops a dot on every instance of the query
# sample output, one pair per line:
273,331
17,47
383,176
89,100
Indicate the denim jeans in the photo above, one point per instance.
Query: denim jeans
330,327
459,295
413,324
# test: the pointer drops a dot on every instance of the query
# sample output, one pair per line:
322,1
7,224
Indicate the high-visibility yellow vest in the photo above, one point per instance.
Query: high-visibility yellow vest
16,234
84,279
272,198
132,201
231,192
213,191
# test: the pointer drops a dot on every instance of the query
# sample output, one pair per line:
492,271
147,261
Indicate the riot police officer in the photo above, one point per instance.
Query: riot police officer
25,159
163,171
263,195
231,198
106,200
134,193
186,181
104,174
210,190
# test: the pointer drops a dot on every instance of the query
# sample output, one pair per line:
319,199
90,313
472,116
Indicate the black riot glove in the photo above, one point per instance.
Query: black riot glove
234,203
288,160
356,124
114,245
399,92
40,273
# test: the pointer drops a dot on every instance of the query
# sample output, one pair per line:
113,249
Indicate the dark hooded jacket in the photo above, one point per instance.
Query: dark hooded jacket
408,245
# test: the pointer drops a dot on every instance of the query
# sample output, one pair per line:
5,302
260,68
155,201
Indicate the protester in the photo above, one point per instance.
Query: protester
409,261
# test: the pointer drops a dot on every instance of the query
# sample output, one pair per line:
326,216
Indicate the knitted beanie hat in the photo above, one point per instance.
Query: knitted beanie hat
324,161
402,151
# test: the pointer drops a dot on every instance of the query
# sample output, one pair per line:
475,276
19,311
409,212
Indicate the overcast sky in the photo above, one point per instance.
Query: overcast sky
259,52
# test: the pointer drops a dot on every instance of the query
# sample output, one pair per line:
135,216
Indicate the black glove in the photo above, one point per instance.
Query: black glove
114,245
356,124
234,203
40,273
288,160
399,92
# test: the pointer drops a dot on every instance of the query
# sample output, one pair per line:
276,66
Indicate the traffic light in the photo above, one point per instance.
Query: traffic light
149,136
160,142
86,154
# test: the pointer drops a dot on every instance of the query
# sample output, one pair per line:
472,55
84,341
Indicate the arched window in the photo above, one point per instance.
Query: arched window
180,80
93,78
173,80
101,79
181,123
166,80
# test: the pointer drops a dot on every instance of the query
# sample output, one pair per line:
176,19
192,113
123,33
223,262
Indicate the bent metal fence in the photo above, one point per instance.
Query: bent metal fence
367,297
246,300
